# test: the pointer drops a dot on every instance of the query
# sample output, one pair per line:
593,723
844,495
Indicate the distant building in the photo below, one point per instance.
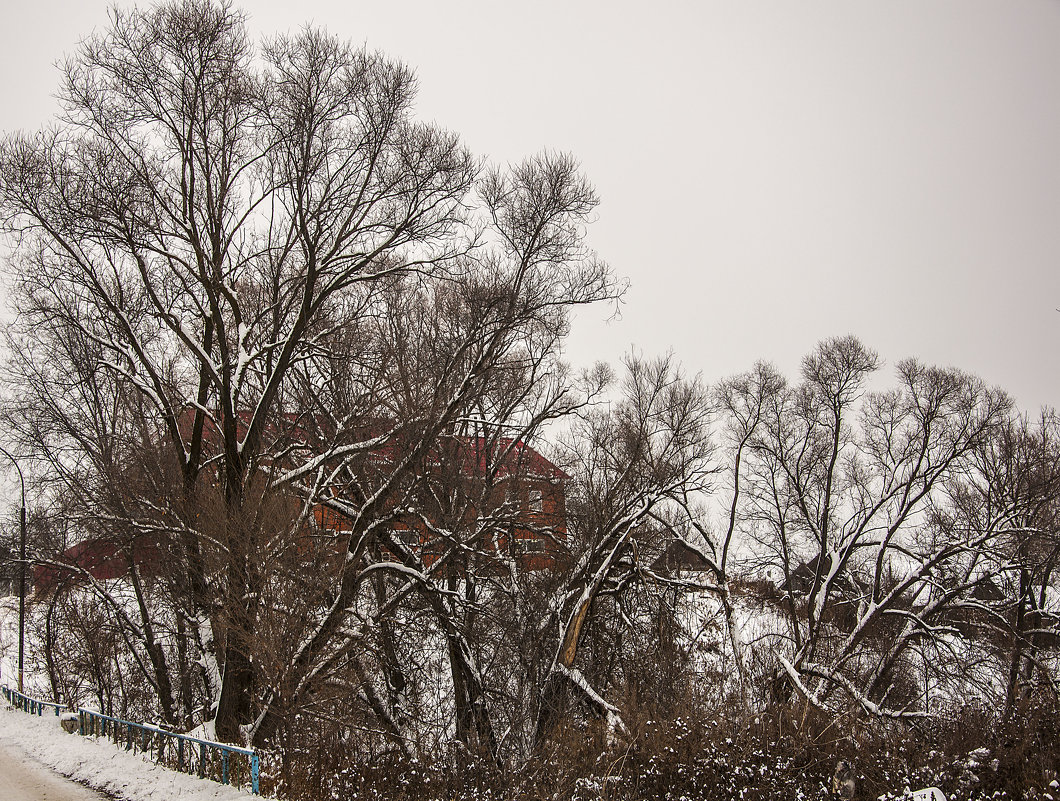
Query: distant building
507,477
523,485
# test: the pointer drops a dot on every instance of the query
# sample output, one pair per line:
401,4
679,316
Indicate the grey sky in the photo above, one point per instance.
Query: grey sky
772,172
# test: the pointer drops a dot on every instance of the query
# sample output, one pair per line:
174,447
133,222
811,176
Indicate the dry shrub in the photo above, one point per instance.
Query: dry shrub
784,752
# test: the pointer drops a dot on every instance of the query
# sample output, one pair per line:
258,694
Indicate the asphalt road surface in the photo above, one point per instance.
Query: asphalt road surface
22,778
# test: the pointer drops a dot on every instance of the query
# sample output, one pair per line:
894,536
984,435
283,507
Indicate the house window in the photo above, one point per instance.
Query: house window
537,500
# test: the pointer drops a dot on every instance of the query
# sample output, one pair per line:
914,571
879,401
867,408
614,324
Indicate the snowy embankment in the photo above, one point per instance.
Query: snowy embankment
98,763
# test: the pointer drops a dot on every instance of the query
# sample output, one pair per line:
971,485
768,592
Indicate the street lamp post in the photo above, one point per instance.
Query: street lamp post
21,570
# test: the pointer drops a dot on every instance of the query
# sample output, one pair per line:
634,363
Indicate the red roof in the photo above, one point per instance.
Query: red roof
520,459
476,453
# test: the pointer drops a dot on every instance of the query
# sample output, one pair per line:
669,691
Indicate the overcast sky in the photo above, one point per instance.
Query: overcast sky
772,172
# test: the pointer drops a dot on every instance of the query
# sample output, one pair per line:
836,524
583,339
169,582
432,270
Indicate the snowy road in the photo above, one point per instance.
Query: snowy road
31,745
23,778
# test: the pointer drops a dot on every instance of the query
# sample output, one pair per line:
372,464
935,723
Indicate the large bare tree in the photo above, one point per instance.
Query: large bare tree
240,272
845,492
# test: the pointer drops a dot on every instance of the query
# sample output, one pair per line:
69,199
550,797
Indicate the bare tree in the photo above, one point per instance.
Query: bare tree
651,449
1011,486
207,235
845,488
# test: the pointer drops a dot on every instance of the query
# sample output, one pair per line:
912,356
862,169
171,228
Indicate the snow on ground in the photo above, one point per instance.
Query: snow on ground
26,779
100,764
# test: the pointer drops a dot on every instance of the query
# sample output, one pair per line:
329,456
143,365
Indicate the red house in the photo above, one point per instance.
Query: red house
505,474
99,557
522,484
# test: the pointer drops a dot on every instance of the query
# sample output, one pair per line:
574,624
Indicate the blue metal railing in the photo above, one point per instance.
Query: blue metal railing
28,704
227,764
